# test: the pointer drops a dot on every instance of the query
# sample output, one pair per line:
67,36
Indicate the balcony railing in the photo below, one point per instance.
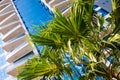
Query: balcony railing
11,45
8,27
62,5
12,69
6,16
14,32
4,5
19,52
54,2
7,9
4,1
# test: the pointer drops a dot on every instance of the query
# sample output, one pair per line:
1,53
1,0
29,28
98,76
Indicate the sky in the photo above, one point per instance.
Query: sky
0,44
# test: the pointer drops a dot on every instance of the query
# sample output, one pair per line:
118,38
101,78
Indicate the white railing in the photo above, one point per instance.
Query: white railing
10,32
23,45
4,1
18,63
4,7
7,18
10,42
14,22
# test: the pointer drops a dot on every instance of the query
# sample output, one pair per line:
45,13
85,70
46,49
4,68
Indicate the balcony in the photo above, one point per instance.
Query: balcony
10,20
8,27
14,68
4,17
13,33
11,45
19,52
52,3
62,5
47,1
4,1
2,6
8,8
66,12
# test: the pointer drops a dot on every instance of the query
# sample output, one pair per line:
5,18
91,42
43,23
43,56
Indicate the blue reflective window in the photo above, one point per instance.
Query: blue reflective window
33,12
104,13
95,6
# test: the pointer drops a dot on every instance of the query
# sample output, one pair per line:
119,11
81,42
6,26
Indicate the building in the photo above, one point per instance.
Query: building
16,24
14,27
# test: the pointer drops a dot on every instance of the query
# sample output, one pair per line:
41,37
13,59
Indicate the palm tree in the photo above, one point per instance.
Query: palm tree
78,39
50,65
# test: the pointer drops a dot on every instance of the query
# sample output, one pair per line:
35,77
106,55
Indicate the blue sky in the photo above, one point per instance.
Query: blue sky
0,44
